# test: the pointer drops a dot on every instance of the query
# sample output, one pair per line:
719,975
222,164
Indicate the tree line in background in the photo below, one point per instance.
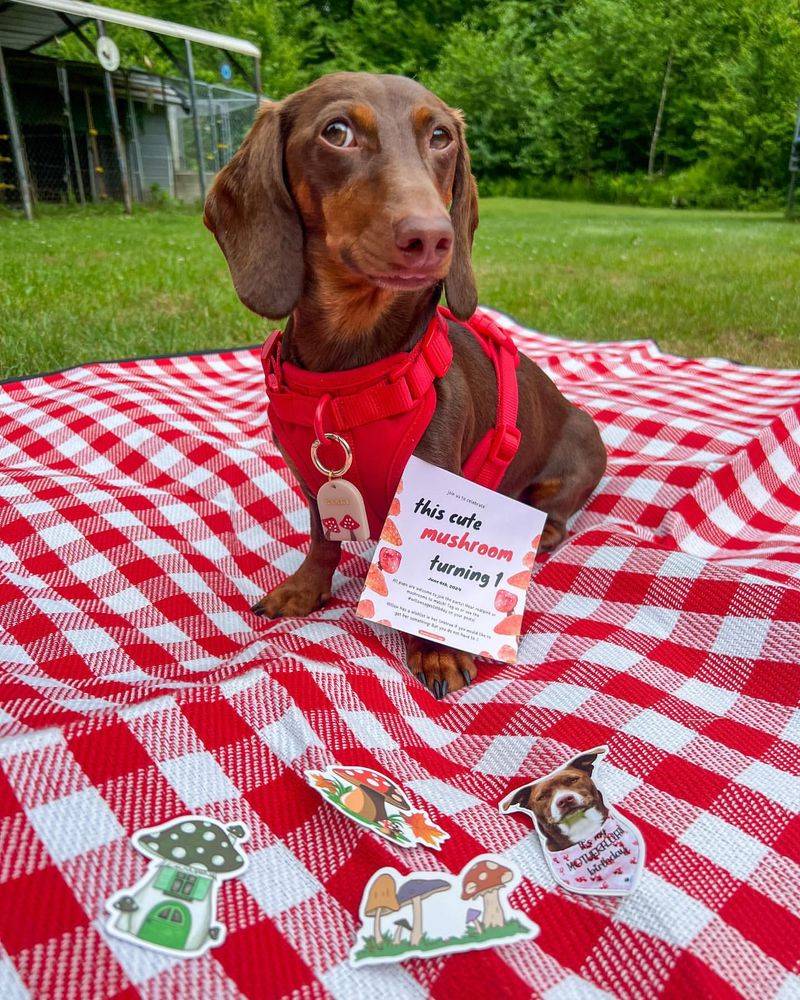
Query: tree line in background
687,101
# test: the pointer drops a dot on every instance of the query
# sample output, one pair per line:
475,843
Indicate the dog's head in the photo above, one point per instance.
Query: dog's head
566,805
364,178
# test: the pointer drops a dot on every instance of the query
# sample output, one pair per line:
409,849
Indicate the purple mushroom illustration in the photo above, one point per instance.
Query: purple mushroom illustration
473,921
414,891
401,928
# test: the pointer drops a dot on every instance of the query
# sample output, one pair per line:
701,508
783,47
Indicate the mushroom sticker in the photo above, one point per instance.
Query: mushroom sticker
439,913
377,803
485,879
382,898
172,908
588,846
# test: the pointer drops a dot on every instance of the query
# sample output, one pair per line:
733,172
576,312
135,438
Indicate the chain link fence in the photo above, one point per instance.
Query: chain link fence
63,116
225,118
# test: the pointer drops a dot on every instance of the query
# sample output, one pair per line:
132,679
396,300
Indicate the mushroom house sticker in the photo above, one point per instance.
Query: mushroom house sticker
172,908
377,803
588,846
424,914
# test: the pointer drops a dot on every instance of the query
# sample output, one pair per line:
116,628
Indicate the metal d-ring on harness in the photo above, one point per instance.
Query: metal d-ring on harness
317,443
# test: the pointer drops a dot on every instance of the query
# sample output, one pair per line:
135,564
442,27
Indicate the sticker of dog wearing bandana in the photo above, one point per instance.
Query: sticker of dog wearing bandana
589,847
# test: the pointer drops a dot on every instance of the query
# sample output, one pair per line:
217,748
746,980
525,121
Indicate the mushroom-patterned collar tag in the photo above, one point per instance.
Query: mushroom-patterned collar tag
377,803
424,914
172,908
589,847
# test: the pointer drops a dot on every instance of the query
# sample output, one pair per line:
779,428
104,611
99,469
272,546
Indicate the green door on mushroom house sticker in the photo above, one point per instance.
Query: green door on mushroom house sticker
167,924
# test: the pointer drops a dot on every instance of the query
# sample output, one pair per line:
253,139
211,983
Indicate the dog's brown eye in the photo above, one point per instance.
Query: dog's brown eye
338,133
440,138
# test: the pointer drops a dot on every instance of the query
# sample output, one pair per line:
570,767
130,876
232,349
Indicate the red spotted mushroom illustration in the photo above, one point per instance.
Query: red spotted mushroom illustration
486,878
381,898
350,524
331,526
370,793
414,891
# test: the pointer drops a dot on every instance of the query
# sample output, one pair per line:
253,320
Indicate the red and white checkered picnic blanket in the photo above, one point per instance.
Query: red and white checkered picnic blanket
143,508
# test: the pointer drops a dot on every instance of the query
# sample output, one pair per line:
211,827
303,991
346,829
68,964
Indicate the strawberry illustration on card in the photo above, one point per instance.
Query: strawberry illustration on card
505,601
389,560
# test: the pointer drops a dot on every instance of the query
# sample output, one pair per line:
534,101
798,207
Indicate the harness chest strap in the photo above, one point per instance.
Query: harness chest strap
384,408
375,392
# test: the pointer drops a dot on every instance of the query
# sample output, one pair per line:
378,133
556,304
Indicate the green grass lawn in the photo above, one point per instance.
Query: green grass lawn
93,284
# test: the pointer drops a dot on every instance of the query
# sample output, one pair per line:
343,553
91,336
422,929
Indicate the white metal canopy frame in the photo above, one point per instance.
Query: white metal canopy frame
27,25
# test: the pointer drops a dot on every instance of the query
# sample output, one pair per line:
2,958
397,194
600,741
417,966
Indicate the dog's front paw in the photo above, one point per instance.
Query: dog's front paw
553,534
440,669
296,597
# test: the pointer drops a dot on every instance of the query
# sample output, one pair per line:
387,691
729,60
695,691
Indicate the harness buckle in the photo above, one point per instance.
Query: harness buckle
495,333
400,372
504,445
271,359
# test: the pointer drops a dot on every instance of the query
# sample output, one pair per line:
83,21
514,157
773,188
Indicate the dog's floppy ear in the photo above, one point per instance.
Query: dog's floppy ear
250,211
518,799
459,285
586,761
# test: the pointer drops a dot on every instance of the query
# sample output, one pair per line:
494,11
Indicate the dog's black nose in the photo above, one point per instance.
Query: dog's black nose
423,240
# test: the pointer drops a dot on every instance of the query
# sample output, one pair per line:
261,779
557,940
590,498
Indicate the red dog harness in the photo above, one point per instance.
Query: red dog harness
382,410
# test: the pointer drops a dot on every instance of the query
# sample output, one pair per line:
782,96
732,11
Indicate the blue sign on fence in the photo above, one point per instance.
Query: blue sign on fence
225,71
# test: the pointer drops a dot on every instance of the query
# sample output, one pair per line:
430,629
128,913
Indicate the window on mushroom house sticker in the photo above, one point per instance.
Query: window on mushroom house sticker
183,884
178,883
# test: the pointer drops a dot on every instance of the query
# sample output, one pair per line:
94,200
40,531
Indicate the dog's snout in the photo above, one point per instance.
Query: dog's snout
424,240
565,802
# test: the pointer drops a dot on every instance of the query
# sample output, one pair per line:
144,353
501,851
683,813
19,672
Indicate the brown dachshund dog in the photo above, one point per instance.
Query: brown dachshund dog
348,207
